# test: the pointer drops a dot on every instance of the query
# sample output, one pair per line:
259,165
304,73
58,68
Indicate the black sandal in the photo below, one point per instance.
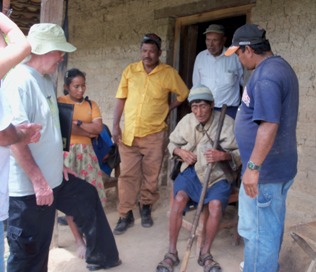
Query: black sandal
213,266
164,266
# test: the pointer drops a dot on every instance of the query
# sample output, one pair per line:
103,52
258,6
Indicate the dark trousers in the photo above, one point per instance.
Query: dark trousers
230,111
30,227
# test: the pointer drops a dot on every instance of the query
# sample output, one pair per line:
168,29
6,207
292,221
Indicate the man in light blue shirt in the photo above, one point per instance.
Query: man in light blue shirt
223,75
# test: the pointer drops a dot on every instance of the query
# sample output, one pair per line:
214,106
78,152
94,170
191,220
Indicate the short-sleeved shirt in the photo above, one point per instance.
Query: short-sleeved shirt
146,106
32,99
222,75
5,120
271,95
83,112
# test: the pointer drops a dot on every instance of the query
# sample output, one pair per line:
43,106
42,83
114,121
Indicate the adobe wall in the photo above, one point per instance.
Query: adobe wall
290,28
108,33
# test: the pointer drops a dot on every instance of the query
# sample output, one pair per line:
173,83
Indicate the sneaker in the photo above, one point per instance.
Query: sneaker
124,223
145,213
241,266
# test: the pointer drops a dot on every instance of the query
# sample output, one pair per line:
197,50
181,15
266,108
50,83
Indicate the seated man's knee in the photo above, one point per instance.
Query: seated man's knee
215,208
180,201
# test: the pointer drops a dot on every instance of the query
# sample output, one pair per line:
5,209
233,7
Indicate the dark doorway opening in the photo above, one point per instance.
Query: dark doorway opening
192,41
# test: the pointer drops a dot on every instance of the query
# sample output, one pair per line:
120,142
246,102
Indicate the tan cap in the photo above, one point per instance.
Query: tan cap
215,29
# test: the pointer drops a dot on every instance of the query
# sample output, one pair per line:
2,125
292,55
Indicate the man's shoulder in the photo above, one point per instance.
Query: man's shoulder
164,66
134,65
188,120
20,69
229,121
18,75
202,54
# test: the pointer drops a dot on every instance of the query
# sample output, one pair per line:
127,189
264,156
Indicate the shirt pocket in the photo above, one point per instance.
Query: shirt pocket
228,79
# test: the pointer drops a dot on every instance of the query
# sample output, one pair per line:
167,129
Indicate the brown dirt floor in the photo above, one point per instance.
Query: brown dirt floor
141,249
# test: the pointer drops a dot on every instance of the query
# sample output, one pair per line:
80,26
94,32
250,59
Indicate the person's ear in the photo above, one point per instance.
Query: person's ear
249,50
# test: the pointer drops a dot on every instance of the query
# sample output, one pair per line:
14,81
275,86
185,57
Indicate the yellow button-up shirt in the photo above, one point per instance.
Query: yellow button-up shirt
146,106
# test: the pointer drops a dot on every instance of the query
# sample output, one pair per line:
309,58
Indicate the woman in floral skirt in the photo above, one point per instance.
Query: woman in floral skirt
87,124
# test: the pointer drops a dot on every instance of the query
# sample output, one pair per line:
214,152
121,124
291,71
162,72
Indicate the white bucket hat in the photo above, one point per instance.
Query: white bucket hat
46,37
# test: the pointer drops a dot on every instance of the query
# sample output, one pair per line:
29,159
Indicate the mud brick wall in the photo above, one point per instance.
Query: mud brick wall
290,29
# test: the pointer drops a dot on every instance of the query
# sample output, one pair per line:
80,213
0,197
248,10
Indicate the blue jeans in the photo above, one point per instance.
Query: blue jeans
261,224
1,247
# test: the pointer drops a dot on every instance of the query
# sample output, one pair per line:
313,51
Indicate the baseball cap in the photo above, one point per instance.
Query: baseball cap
152,37
47,37
215,28
248,34
200,92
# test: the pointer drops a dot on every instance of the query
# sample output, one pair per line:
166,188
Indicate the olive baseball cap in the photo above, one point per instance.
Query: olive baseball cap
248,34
47,37
215,29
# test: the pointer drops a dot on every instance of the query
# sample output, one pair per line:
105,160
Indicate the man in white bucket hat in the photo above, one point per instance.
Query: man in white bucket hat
37,184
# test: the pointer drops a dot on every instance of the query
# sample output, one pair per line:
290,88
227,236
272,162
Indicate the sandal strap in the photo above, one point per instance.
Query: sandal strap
208,267
164,265
211,266
203,258
173,257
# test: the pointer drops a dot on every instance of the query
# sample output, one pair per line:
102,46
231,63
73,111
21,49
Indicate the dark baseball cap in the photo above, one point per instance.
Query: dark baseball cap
152,37
248,34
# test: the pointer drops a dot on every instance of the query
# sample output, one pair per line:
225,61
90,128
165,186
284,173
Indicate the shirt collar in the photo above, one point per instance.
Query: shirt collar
140,67
222,54
200,128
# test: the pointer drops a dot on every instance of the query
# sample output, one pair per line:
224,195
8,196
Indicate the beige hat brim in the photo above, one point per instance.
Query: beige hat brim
44,48
231,50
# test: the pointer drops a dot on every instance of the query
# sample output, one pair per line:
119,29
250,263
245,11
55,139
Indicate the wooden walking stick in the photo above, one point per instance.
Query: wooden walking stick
207,175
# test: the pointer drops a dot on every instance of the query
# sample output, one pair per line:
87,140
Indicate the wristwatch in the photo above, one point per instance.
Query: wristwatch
252,166
79,123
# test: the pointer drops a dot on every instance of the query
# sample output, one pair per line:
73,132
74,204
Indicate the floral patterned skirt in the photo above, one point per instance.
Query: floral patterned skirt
83,161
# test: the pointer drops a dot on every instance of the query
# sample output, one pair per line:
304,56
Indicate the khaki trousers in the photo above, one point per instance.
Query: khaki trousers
140,167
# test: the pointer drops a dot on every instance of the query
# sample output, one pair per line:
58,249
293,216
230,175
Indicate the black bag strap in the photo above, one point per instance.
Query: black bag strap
89,101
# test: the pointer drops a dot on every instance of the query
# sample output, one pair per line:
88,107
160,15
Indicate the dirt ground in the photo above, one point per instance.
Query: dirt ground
141,249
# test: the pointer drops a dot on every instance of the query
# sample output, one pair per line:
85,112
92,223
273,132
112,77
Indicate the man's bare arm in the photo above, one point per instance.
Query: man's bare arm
23,155
26,133
118,111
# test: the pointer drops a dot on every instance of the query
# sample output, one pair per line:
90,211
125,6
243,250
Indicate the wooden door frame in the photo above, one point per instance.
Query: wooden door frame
201,18
204,17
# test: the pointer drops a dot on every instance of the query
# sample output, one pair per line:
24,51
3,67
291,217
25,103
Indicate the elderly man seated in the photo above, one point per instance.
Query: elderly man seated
192,140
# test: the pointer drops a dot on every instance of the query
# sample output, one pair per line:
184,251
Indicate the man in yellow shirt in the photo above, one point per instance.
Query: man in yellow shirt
143,95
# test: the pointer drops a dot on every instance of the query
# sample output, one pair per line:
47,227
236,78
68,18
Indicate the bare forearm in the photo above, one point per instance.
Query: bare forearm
264,141
174,104
9,136
43,193
118,111
24,157
87,129
18,47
